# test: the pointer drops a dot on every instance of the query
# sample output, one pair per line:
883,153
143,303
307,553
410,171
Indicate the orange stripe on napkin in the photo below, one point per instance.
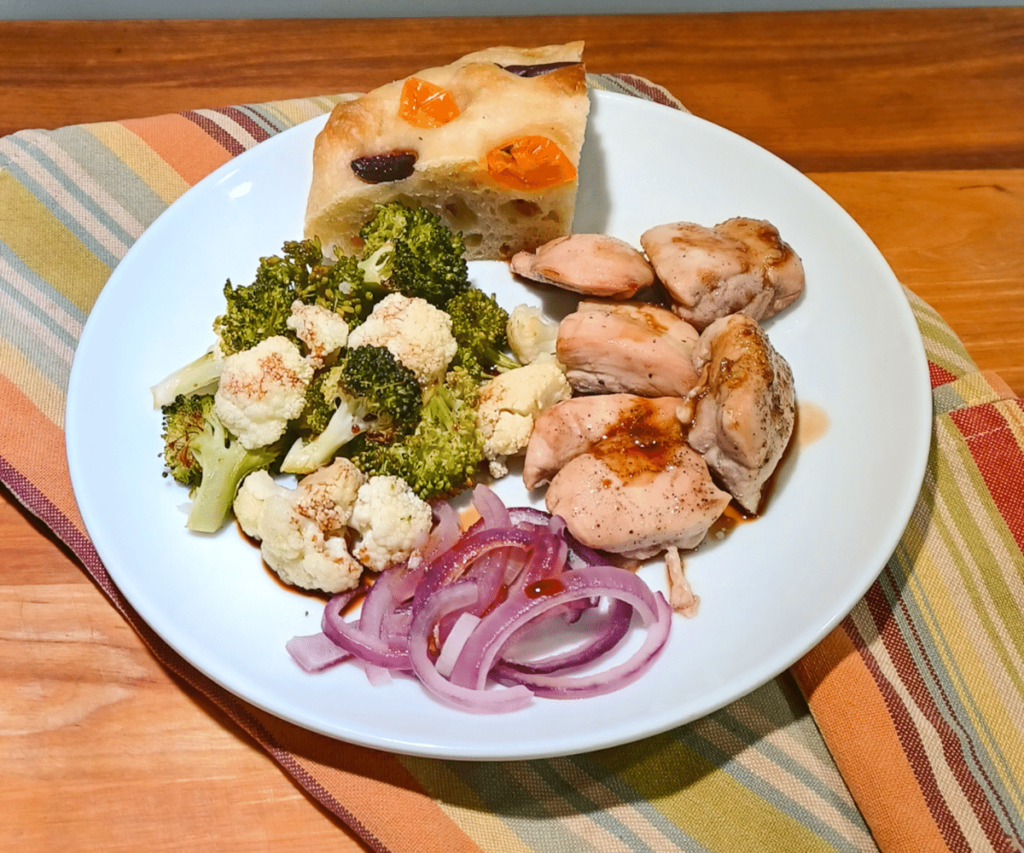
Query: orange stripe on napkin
185,146
854,721
33,443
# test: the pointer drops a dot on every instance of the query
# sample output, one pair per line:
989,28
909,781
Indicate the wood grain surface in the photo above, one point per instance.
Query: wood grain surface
926,89
912,120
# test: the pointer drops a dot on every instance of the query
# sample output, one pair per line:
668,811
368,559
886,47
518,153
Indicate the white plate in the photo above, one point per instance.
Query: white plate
769,591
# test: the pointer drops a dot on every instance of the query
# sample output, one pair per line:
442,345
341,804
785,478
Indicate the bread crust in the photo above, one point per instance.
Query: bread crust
450,176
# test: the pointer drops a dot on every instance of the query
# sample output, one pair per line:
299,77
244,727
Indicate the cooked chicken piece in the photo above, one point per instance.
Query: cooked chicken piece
739,266
637,501
571,427
631,347
593,264
744,409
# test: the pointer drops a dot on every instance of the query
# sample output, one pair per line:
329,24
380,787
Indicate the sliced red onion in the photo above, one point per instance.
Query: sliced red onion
377,618
490,572
382,600
564,686
547,558
451,565
456,639
615,624
492,511
404,581
445,532
579,554
378,676
349,637
529,515
450,598
494,631
316,652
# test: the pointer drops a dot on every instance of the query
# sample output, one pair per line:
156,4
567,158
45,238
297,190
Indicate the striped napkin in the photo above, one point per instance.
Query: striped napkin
903,731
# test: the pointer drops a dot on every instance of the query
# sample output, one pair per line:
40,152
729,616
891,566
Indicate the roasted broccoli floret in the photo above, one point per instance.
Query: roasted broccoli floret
341,286
200,453
479,326
444,453
369,391
411,250
257,311
260,310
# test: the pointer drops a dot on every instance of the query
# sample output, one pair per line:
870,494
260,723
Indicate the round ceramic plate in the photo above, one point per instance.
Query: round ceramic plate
769,591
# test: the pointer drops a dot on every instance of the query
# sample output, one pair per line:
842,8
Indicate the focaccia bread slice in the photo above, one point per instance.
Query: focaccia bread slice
490,142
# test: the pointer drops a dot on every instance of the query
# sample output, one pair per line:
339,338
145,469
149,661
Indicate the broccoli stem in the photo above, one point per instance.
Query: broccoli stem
305,457
222,475
196,377
376,266
501,361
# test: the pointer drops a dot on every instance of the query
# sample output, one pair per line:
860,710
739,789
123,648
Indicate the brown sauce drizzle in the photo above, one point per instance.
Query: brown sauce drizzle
640,441
812,422
544,587
729,520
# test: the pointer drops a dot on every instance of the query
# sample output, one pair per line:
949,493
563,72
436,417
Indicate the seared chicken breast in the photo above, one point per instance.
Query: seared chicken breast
627,347
571,427
739,266
637,501
744,409
622,475
591,264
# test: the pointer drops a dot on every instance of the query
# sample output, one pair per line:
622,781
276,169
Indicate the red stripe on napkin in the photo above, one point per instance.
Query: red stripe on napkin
939,375
997,452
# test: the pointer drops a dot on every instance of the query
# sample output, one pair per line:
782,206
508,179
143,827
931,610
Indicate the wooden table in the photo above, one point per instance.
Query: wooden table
912,120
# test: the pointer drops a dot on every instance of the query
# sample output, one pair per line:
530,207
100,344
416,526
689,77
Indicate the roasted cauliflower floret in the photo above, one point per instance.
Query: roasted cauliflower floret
261,389
530,334
417,334
509,405
302,531
252,495
322,331
392,522
328,495
297,550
